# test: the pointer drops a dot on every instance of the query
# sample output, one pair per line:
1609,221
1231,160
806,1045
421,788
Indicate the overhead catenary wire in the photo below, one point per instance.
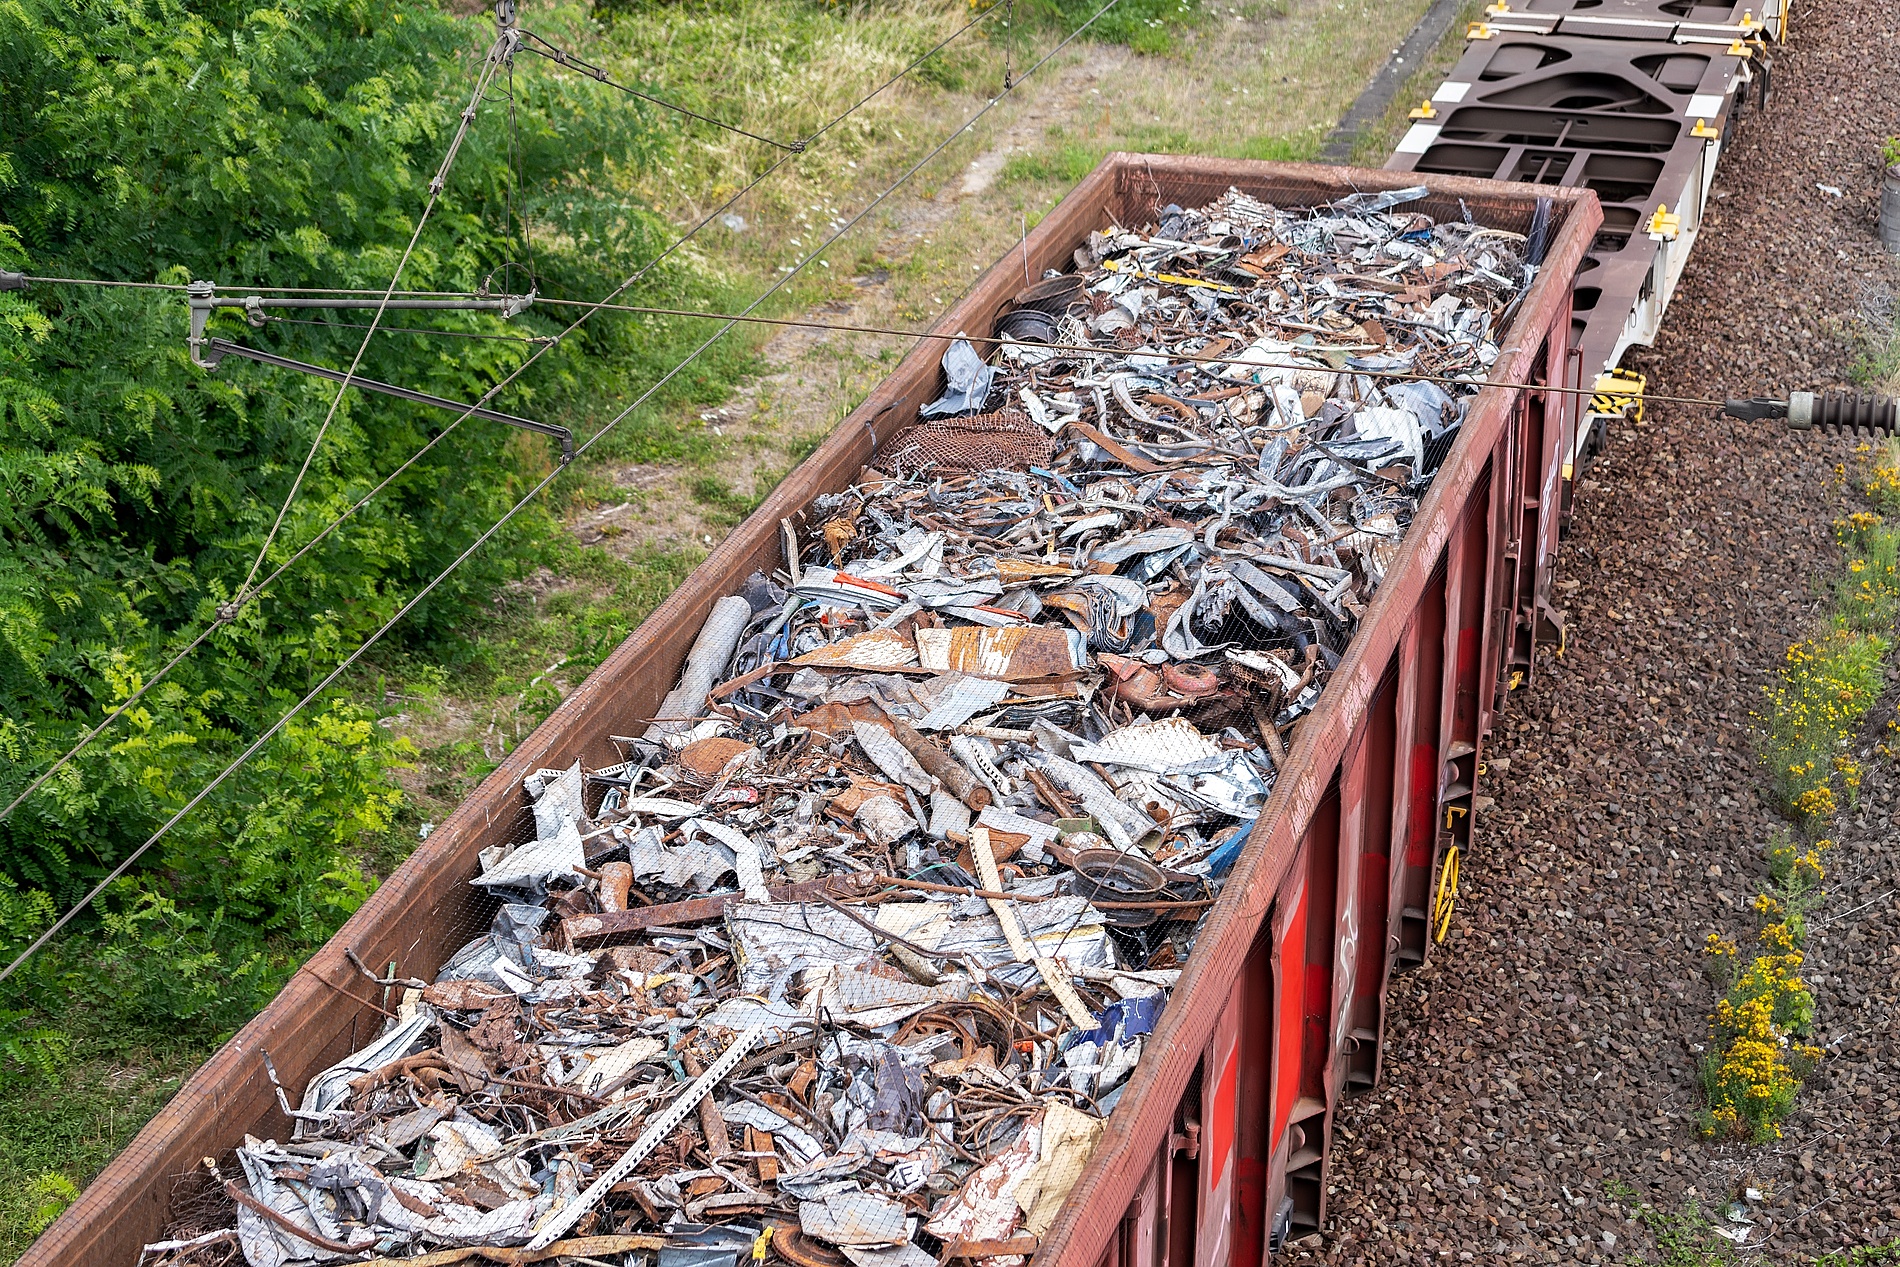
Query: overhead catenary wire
447,334
181,288
561,57
1237,358
232,609
501,51
363,647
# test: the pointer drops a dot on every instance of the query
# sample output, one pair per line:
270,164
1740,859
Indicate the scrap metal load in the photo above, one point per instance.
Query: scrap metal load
859,945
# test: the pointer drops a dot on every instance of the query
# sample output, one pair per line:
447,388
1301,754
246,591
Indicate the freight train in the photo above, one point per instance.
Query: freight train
1602,123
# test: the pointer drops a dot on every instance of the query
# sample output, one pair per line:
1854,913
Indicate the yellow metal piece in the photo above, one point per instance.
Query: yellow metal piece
1447,899
1664,224
1452,811
1425,110
1704,131
1619,392
1479,31
1173,279
1517,679
1741,49
762,1244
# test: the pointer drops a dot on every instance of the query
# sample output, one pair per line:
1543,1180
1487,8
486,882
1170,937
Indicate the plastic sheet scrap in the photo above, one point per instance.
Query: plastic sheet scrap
855,950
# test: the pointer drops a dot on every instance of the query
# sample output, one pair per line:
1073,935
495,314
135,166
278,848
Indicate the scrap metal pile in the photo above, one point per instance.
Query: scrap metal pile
859,945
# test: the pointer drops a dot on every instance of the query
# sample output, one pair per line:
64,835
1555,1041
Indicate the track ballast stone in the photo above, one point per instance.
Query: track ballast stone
1545,1062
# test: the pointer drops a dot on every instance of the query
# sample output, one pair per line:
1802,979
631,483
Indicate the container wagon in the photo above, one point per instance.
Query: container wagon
1634,99
1218,1149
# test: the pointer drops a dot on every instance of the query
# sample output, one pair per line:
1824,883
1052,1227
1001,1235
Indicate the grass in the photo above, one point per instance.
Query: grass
1877,343
1684,1238
1861,1255
57,1134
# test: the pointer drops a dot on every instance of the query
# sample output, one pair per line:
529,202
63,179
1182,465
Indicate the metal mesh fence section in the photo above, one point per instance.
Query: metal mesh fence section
1006,438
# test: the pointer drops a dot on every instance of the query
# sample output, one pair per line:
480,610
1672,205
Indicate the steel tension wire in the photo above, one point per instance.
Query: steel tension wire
561,57
500,51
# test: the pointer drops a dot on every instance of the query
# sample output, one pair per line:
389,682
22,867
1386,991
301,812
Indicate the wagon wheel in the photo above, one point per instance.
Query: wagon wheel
1447,898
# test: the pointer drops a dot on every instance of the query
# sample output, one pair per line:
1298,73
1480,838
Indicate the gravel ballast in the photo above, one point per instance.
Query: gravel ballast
1540,1074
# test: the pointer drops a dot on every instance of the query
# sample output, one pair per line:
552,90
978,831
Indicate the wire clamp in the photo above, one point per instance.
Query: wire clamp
202,298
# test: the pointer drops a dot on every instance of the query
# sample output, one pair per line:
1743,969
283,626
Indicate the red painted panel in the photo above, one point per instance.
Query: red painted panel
1425,789
1289,972
1254,1138
1319,993
1323,867
1220,1131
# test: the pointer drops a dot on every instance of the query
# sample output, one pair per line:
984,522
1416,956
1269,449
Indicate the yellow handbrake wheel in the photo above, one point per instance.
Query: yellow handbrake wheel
1447,899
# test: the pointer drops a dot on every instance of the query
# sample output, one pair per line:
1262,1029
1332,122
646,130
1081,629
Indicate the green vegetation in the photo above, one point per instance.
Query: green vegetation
139,488
1684,1238
290,143
1861,1255
1069,163
1816,708
1756,1062
1830,680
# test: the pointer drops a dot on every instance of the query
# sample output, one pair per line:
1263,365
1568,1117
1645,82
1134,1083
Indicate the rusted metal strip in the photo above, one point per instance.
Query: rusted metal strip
590,929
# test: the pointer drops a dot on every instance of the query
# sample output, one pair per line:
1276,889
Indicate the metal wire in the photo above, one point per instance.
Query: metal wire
244,600
447,334
561,57
362,648
1237,359
501,49
100,281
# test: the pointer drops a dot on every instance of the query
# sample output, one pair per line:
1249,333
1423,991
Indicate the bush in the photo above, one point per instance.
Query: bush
1756,1063
1826,686
135,489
